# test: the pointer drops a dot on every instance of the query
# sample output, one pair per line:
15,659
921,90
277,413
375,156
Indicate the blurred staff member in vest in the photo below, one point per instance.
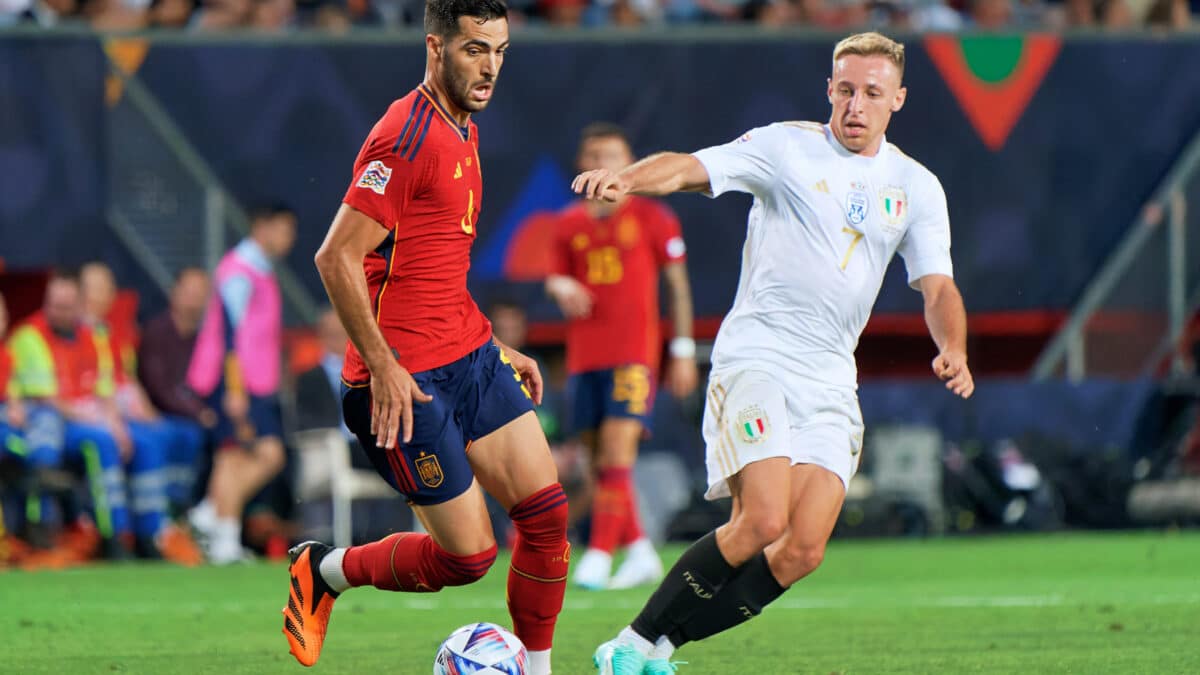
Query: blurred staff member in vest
236,367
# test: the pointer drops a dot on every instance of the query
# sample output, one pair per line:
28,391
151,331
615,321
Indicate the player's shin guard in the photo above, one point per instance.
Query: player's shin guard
742,598
610,508
412,563
691,585
538,576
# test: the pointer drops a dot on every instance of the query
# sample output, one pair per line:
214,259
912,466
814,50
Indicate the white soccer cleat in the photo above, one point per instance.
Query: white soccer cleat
593,570
642,566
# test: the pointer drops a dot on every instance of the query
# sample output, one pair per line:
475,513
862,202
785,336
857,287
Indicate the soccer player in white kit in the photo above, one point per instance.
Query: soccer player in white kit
832,204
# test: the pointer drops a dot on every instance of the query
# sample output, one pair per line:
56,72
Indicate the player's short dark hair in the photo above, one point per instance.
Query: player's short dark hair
441,16
603,130
68,273
266,212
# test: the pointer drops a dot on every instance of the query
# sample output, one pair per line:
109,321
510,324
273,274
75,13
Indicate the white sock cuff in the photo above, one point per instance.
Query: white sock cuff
538,663
331,570
630,638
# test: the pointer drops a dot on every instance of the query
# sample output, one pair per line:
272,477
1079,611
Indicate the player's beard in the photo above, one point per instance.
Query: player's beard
458,88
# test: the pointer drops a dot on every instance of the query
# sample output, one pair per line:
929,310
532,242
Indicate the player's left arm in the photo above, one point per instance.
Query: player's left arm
925,248
526,367
947,320
682,375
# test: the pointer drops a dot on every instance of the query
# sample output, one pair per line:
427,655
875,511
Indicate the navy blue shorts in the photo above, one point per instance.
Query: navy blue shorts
472,397
265,415
624,391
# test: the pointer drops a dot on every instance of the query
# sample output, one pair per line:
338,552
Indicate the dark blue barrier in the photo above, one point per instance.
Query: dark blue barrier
52,144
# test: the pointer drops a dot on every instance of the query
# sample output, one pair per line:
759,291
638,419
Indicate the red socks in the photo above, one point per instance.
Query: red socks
412,563
538,576
615,520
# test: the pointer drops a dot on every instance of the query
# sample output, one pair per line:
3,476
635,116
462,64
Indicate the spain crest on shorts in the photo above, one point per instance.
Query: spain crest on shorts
752,424
430,470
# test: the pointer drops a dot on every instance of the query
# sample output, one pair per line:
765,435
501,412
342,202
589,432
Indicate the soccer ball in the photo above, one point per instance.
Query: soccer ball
483,648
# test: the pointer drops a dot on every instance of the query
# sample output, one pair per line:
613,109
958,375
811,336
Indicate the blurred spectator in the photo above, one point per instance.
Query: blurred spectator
990,14
171,13
318,391
273,15
166,350
1169,14
222,14
236,366
57,371
178,441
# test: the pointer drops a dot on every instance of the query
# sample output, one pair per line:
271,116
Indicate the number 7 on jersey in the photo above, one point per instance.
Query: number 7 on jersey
858,236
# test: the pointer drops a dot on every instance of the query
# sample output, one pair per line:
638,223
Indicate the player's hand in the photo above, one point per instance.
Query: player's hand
393,394
951,367
120,434
682,376
16,414
601,184
236,405
527,368
573,298
207,418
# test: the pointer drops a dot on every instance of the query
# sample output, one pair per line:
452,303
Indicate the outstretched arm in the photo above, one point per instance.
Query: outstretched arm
947,321
654,176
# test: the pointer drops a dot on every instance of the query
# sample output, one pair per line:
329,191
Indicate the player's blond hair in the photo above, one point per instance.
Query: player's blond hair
872,44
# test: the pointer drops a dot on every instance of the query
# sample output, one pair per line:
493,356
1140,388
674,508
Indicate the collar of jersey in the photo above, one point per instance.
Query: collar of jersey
843,152
464,133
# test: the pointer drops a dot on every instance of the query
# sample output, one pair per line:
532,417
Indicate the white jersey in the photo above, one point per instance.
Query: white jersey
823,228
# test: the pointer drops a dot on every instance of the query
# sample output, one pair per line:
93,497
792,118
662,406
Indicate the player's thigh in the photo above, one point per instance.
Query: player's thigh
508,450
514,461
746,421
460,525
760,508
432,468
618,441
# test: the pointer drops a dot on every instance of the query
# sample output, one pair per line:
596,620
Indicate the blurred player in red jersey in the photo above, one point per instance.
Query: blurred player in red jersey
425,381
605,266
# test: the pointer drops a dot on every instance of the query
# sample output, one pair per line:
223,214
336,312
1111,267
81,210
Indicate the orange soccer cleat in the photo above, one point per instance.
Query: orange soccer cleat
310,601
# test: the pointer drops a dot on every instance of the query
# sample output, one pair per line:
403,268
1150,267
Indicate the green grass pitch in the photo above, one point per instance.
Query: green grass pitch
1077,603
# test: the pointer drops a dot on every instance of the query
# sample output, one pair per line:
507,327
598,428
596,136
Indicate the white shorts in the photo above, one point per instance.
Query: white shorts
751,415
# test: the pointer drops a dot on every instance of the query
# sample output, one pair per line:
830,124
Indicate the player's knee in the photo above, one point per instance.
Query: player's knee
270,453
762,528
800,560
460,570
542,517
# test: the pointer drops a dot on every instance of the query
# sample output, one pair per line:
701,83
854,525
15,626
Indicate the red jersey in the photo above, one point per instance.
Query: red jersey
418,175
618,258
6,372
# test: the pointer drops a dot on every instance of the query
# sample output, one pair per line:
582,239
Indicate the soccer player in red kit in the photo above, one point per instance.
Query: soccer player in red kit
442,408
606,260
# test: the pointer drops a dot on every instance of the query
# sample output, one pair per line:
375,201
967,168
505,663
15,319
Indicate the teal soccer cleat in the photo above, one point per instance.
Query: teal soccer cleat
614,659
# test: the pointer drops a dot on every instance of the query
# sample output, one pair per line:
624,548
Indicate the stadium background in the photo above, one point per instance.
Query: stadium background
1069,163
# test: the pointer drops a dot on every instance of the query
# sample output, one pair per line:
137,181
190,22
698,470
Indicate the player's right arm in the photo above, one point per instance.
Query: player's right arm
749,164
654,176
339,261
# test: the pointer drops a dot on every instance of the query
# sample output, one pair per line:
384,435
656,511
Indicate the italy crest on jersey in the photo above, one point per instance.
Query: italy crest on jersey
894,203
856,207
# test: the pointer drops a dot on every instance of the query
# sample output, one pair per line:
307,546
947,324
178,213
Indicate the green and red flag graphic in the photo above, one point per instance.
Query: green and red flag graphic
993,77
